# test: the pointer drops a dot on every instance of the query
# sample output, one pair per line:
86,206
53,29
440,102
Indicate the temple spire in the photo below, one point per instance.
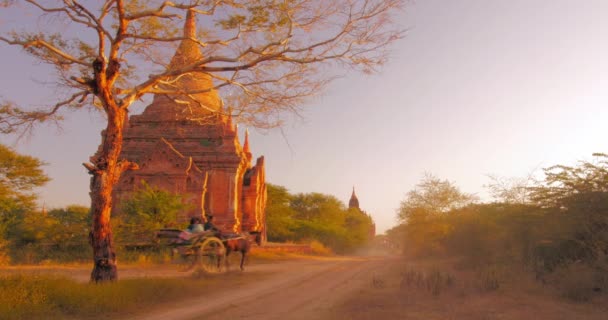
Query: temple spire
354,201
190,25
188,51
246,147
193,95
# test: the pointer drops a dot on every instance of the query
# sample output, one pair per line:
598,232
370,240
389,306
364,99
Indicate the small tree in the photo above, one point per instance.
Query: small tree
148,209
266,56
510,190
577,196
424,214
432,196
279,215
315,216
19,175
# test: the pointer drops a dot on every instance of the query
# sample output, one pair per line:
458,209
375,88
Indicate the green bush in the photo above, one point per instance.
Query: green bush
318,217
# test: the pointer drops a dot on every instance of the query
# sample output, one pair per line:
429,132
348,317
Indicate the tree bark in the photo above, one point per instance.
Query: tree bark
105,172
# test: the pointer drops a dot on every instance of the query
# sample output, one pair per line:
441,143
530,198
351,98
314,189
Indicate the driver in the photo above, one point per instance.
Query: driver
209,224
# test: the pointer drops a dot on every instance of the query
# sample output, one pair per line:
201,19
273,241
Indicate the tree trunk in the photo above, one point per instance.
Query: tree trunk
105,171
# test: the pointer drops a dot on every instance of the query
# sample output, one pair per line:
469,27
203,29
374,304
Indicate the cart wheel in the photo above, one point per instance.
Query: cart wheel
186,258
212,255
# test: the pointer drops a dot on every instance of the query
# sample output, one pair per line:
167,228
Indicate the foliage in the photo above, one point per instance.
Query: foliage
306,217
562,227
60,235
578,197
148,209
432,196
394,239
510,190
319,249
279,215
19,175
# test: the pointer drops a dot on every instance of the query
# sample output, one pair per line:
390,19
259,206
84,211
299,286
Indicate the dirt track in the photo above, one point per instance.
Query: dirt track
360,288
291,290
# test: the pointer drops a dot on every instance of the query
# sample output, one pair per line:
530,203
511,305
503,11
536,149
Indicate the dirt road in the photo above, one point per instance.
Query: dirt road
290,290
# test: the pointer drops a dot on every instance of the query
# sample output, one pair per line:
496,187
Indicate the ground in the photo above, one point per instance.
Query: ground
358,288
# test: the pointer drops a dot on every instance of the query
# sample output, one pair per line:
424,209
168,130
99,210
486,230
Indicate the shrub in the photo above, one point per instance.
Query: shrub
319,249
575,282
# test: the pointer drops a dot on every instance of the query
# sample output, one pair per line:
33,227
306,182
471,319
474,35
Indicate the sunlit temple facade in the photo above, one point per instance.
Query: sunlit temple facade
188,145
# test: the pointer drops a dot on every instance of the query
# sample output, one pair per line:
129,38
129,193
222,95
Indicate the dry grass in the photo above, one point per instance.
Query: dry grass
62,291
435,290
40,296
52,297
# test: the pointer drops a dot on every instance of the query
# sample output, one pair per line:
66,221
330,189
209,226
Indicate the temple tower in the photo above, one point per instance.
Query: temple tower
354,201
184,143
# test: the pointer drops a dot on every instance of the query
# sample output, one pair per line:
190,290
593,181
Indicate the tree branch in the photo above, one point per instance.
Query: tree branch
14,119
43,44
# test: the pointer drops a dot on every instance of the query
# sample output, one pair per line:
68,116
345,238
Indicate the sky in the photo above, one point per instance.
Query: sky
476,88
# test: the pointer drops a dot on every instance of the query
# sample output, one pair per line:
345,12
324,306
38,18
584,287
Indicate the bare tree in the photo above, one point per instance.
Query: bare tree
265,57
511,190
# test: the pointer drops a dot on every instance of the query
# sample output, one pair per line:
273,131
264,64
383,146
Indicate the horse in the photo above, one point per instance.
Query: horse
242,244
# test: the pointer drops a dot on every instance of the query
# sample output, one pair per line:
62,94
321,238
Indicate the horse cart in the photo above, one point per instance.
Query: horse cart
209,250
189,250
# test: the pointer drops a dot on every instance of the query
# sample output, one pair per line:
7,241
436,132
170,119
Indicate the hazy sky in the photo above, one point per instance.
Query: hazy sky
475,88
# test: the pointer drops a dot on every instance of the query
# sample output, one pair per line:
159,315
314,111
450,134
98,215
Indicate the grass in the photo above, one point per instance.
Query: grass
62,291
429,290
54,297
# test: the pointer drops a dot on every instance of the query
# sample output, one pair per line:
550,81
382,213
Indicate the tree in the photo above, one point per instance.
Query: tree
318,207
264,56
70,231
432,196
148,209
19,175
59,234
315,216
279,215
357,225
510,190
578,196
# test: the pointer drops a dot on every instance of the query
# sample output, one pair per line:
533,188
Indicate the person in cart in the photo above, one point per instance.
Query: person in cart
191,231
209,226
195,225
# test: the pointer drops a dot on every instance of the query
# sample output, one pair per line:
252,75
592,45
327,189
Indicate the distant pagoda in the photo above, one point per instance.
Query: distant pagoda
353,203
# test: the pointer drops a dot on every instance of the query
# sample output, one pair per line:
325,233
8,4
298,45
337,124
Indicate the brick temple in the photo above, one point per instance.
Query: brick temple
187,144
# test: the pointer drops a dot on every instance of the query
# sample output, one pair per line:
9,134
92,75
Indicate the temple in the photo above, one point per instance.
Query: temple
186,143
353,203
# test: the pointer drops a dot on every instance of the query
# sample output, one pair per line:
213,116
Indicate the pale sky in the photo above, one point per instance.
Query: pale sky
476,87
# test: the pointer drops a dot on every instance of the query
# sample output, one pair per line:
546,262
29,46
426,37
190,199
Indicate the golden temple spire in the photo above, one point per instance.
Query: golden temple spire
195,96
246,147
188,51
190,25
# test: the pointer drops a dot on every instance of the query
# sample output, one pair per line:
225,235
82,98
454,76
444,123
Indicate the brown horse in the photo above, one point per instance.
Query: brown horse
241,243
